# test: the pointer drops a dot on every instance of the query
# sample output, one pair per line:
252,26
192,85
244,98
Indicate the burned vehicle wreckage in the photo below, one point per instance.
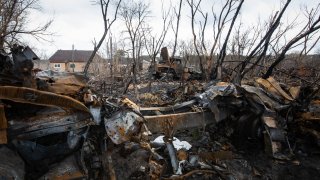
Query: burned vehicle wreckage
53,127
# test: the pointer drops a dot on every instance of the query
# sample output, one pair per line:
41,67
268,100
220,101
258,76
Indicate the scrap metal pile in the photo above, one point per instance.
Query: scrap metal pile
53,127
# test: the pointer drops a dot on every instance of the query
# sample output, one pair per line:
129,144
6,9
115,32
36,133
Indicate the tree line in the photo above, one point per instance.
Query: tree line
214,34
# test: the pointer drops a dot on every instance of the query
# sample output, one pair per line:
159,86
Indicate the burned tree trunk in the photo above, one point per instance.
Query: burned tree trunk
177,29
104,5
222,54
194,8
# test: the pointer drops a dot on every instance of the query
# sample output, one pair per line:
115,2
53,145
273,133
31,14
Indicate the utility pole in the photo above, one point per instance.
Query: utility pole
111,58
111,54
73,65
111,63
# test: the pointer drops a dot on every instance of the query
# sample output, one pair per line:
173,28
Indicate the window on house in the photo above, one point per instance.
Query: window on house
57,65
72,65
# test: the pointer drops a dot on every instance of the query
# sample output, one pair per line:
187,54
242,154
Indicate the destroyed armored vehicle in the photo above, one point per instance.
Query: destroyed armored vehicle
173,66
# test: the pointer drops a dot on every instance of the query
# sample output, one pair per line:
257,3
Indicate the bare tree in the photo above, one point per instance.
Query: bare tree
220,21
309,38
134,15
154,42
194,7
104,5
274,41
240,44
176,30
14,17
223,50
311,27
262,46
187,50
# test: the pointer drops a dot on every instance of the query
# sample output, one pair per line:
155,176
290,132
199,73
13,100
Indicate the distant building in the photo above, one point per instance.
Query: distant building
123,63
145,62
41,64
74,61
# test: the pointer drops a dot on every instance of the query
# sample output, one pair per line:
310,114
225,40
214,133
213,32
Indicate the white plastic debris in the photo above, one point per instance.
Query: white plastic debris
176,143
95,112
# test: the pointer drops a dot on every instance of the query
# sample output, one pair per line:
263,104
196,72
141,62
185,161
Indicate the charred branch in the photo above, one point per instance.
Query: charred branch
104,5
265,40
223,50
314,27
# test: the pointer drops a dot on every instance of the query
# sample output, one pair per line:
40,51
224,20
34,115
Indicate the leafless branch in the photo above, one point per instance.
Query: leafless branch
104,6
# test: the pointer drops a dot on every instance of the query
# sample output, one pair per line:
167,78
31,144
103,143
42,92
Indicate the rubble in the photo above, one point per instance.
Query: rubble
53,126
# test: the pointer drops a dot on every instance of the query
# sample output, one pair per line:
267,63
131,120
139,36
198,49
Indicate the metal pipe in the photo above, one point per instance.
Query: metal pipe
172,154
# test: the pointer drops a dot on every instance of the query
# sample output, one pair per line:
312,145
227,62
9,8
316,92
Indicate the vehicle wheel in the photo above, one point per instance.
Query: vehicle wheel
11,165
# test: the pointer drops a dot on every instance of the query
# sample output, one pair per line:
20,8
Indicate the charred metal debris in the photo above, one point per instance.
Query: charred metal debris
52,126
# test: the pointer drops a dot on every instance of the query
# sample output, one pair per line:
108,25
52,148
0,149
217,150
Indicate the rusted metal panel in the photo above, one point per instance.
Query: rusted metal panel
274,136
33,96
169,109
310,116
123,126
179,121
273,86
42,125
70,175
66,83
261,97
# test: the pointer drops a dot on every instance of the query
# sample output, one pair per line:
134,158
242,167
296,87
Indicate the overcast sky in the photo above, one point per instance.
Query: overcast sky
78,22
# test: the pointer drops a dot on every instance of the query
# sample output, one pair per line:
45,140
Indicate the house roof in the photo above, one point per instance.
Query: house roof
63,56
30,54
